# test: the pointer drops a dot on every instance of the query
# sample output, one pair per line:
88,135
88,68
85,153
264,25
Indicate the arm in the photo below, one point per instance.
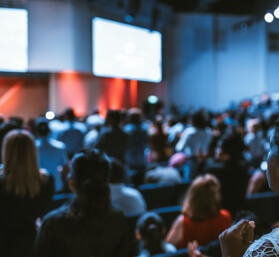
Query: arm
193,250
175,234
181,142
44,242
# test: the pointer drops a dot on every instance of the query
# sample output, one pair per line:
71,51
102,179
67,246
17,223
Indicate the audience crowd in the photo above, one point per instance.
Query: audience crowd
102,163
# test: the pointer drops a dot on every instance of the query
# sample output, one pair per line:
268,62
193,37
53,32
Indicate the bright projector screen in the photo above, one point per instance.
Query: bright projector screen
124,51
13,40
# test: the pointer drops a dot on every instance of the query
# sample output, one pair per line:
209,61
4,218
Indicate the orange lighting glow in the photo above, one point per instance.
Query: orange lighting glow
134,93
72,90
116,94
9,94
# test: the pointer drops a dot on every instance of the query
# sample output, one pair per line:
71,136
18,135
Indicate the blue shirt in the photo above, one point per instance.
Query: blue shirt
52,154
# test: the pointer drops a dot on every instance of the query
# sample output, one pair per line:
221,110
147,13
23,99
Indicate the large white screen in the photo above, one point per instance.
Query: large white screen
13,40
125,51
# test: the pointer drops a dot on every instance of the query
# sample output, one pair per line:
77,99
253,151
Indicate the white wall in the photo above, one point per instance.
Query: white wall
59,36
211,65
241,64
202,68
272,70
189,62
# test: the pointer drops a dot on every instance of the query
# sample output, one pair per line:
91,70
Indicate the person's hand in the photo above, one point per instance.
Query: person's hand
193,249
235,240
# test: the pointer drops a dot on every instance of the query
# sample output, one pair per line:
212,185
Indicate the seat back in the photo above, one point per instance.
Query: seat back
157,195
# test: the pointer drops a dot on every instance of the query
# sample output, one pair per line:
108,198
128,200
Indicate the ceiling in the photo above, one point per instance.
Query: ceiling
236,7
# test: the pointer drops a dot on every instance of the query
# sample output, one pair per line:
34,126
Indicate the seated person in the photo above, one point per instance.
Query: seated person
25,194
162,175
257,145
238,240
88,226
112,138
150,230
72,133
202,218
232,172
52,154
124,198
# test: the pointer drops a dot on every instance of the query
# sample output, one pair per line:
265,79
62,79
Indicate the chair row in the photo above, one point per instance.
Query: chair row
165,200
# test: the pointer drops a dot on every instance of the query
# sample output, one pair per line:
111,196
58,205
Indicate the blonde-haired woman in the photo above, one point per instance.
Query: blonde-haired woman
202,218
25,193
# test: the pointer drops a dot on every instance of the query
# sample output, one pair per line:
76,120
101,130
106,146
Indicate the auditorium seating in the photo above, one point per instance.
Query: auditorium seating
163,200
159,195
179,253
59,199
265,205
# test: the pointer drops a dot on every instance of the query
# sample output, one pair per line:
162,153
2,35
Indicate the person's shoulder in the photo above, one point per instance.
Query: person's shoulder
190,130
116,213
80,126
169,248
60,213
225,214
2,177
47,186
116,218
180,219
266,245
105,130
214,167
57,144
131,191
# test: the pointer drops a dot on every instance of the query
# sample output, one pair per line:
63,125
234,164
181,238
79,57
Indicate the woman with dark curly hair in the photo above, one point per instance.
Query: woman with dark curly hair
88,226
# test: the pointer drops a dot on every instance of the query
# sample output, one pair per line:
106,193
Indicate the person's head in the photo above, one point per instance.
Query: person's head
253,125
21,168
150,229
203,198
69,114
198,120
272,173
113,117
42,128
18,121
89,180
117,174
134,115
231,148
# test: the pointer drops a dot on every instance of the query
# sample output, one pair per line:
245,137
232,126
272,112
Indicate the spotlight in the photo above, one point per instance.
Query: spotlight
50,115
152,99
269,18
276,13
264,165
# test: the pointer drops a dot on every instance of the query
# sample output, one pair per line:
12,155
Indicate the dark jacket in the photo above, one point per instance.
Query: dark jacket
18,216
234,179
63,234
